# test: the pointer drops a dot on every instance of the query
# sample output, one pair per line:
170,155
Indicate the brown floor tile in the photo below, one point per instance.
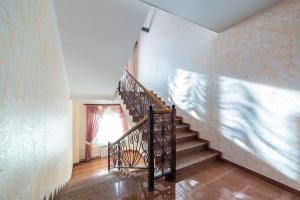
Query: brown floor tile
216,181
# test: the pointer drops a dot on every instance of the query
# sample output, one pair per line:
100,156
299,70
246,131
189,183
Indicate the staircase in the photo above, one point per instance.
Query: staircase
160,141
191,151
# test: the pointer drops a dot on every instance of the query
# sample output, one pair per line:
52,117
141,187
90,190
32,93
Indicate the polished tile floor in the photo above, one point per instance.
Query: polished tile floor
217,181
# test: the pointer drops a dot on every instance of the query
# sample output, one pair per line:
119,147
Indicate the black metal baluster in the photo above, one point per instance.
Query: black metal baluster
108,152
119,87
119,156
172,175
151,149
162,150
173,121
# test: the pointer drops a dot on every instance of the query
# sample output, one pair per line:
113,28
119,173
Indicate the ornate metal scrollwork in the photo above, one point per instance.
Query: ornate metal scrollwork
136,95
162,144
131,151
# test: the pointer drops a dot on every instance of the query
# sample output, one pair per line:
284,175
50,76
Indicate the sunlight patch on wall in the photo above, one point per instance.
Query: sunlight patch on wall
262,120
187,90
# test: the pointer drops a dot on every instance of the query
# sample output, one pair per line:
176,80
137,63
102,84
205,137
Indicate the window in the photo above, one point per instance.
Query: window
111,127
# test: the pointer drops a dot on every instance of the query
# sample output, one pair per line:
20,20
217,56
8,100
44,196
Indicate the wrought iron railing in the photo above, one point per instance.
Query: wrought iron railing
131,150
151,143
138,96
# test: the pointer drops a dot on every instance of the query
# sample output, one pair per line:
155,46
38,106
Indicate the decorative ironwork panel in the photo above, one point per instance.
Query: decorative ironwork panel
131,151
163,144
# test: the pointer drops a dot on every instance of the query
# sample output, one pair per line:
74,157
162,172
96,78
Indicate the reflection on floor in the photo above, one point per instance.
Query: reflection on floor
216,181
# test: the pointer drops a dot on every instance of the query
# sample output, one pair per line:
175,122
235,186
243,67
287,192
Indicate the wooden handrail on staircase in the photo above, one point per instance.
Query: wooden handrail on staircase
138,125
164,108
149,94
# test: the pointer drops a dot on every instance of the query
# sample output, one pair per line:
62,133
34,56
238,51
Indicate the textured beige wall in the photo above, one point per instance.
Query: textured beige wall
132,62
35,119
79,131
240,88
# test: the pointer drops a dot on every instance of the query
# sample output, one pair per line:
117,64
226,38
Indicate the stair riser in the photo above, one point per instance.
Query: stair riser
204,162
188,151
199,164
192,150
178,121
182,129
186,139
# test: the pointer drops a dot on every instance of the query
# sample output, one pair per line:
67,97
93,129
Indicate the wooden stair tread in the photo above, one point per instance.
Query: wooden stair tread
188,160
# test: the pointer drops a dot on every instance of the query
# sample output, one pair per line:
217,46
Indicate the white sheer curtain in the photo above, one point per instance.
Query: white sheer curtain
111,127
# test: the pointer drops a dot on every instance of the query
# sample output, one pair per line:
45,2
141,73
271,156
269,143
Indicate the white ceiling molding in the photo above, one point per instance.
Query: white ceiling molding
216,15
97,38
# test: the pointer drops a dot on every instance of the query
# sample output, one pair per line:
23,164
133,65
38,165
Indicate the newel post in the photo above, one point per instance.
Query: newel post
108,156
151,149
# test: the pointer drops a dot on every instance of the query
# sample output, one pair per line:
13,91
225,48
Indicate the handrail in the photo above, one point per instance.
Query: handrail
164,109
141,122
150,94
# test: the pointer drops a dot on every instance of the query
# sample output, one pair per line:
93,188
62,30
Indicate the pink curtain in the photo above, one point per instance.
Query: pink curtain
93,116
118,108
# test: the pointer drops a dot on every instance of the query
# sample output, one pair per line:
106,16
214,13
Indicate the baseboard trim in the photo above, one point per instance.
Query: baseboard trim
268,179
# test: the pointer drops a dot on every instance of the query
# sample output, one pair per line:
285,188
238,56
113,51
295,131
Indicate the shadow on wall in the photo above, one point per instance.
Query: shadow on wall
262,120
187,90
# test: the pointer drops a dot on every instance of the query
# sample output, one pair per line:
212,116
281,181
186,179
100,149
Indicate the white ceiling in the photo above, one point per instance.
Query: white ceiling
97,38
98,35
216,15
